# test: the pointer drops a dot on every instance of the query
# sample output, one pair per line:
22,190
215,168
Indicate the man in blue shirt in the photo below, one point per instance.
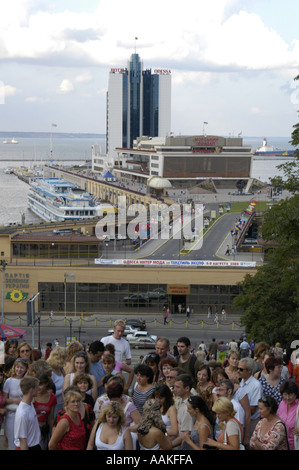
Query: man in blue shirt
95,353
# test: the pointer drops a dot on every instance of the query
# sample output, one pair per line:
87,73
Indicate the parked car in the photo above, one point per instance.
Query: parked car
140,334
137,299
129,329
142,343
157,294
136,324
250,241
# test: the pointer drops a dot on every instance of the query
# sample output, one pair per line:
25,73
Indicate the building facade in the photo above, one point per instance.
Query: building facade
63,270
138,103
187,160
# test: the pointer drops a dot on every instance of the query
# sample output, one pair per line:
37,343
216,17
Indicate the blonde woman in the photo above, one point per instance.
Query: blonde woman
13,395
56,361
71,350
109,432
232,434
70,433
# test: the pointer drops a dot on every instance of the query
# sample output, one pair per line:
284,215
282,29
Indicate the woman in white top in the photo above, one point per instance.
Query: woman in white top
56,361
109,432
164,397
13,395
232,434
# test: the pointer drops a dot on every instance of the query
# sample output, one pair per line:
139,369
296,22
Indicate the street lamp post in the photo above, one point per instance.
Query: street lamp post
70,276
3,265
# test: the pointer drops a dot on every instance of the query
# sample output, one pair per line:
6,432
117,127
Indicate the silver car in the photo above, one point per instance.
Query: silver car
145,342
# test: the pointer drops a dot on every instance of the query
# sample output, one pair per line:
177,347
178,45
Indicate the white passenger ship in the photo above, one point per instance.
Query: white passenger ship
54,199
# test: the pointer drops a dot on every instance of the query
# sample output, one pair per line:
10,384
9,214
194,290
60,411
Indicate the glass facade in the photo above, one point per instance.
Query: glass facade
125,139
193,166
126,298
54,250
150,118
135,86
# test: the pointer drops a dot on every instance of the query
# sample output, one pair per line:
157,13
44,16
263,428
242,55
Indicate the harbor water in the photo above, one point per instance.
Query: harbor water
31,152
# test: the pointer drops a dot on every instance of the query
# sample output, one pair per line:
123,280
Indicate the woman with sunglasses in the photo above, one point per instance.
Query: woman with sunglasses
13,395
25,351
270,432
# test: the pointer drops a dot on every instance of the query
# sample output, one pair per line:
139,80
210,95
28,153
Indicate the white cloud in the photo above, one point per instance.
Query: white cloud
255,110
66,86
8,90
85,77
203,36
223,56
36,99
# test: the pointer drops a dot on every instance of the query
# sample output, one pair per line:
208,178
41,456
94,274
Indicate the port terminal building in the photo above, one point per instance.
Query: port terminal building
187,161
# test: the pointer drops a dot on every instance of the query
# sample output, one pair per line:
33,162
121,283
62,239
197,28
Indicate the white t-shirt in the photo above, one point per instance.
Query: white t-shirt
26,425
122,347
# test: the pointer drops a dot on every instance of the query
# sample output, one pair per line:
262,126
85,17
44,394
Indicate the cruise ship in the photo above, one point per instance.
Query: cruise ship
54,199
269,150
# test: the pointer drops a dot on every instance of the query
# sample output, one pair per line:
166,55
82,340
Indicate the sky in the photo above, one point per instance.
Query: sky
232,62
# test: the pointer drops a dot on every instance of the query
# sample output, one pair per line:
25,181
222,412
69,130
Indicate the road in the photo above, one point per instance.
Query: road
197,329
210,244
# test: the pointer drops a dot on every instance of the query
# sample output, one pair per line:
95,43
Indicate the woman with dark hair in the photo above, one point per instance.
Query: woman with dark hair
144,386
10,347
44,404
153,361
151,430
273,379
270,432
203,425
288,411
204,385
115,392
164,397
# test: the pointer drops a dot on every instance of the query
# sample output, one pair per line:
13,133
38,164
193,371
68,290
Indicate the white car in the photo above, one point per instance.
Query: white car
128,330
140,334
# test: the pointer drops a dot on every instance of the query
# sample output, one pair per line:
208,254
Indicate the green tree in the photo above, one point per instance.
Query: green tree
290,169
270,298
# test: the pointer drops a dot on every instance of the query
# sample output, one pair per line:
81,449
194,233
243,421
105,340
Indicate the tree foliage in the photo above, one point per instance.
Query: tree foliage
270,298
290,169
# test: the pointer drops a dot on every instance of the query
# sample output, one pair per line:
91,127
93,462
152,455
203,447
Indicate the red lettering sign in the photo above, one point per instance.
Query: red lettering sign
206,141
118,70
162,71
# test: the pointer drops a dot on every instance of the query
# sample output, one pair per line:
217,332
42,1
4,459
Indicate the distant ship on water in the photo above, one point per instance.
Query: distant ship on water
268,150
12,141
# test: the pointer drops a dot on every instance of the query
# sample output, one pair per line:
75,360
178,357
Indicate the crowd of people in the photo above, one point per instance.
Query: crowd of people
226,396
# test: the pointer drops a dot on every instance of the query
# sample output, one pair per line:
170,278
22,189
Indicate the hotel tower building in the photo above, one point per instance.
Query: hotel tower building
138,104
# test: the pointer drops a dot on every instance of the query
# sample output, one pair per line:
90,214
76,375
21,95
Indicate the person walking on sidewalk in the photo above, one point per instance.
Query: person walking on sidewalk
166,314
